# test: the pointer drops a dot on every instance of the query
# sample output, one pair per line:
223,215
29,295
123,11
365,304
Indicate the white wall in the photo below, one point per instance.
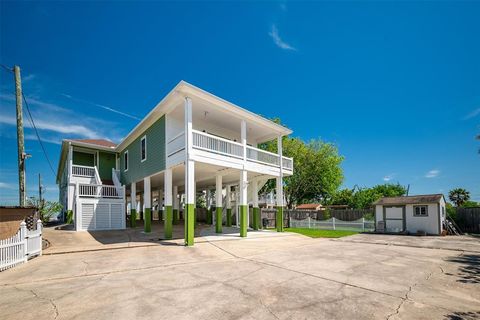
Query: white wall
429,224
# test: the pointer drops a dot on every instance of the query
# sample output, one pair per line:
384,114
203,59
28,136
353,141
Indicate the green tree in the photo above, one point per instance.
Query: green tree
47,209
458,196
470,204
317,173
343,197
362,198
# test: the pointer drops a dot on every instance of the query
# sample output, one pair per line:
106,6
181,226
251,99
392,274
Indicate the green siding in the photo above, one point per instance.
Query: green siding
83,159
155,162
106,163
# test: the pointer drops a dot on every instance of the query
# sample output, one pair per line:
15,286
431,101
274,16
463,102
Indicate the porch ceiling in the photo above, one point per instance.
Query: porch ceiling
204,177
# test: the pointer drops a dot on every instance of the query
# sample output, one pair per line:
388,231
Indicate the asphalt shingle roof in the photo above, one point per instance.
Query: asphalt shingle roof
426,198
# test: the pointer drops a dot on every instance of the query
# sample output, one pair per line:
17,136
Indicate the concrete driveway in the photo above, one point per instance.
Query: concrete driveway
279,276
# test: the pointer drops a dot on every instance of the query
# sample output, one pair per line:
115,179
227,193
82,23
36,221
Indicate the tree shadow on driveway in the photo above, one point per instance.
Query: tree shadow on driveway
469,270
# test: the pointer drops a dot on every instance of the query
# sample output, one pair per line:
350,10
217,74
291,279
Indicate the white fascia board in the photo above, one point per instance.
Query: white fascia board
189,89
90,145
149,119
186,89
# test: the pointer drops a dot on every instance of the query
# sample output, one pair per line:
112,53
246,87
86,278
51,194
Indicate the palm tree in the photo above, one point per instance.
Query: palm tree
459,196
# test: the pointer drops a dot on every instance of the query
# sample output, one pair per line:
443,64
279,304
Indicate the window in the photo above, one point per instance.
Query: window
143,148
125,161
420,211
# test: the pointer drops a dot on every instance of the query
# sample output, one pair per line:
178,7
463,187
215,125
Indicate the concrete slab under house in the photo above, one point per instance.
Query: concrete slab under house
191,143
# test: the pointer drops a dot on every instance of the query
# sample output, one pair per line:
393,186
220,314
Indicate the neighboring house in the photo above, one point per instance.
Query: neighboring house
191,141
309,206
412,214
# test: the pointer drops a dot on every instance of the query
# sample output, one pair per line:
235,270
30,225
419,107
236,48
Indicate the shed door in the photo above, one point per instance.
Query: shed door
394,218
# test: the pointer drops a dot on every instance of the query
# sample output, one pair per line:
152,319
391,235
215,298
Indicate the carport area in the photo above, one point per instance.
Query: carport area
279,276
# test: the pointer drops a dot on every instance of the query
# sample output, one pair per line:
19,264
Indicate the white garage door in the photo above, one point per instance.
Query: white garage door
102,216
394,219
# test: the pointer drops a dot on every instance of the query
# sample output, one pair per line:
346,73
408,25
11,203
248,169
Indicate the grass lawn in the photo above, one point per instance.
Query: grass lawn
316,233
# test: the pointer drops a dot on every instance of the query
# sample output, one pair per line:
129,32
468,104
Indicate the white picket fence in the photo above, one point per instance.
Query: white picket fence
334,224
24,245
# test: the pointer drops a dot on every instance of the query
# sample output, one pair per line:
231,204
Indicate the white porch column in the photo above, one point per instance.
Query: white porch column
243,135
70,187
168,204
147,204
280,204
218,204
133,205
189,211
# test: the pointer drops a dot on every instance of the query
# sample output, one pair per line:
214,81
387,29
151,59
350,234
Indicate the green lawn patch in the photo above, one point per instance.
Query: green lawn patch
317,233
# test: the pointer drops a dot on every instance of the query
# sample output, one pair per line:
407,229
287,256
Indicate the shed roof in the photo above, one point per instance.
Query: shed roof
309,206
425,198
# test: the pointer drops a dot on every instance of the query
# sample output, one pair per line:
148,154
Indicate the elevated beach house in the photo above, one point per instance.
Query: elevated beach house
190,142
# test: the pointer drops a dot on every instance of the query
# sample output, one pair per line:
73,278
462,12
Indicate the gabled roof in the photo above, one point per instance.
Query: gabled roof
309,206
97,142
185,89
419,199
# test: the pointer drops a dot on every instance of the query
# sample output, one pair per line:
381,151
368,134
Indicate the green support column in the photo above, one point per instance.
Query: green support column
189,213
279,219
243,220
218,218
168,222
229,217
176,216
133,218
147,222
256,218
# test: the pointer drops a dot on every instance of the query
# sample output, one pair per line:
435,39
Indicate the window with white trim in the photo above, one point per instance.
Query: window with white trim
143,148
420,211
125,161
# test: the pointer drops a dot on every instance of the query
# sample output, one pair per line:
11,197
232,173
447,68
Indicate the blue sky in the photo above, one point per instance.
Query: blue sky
395,85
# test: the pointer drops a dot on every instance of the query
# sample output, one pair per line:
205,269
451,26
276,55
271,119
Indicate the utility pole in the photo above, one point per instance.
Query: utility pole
20,139
40,189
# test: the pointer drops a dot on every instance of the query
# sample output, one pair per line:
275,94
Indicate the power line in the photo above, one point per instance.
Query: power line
38,136
6,68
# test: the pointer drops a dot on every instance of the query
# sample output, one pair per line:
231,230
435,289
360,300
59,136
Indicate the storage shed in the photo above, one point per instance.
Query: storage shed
411,214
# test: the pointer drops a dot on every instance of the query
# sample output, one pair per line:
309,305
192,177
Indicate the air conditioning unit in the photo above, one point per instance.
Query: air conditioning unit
380,226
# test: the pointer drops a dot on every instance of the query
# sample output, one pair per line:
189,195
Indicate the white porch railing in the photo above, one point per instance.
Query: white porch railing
262,156
211,143
24,245
222,146
83,171
98,191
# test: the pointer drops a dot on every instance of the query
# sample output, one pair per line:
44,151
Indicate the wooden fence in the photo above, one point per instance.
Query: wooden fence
468,219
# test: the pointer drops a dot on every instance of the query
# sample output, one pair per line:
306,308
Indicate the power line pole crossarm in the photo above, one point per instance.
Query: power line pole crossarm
20,138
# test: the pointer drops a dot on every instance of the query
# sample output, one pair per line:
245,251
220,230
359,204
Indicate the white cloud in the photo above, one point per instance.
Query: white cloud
389,177
54,125
48,140
278,41
4,185
432,174
472,114
101,106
